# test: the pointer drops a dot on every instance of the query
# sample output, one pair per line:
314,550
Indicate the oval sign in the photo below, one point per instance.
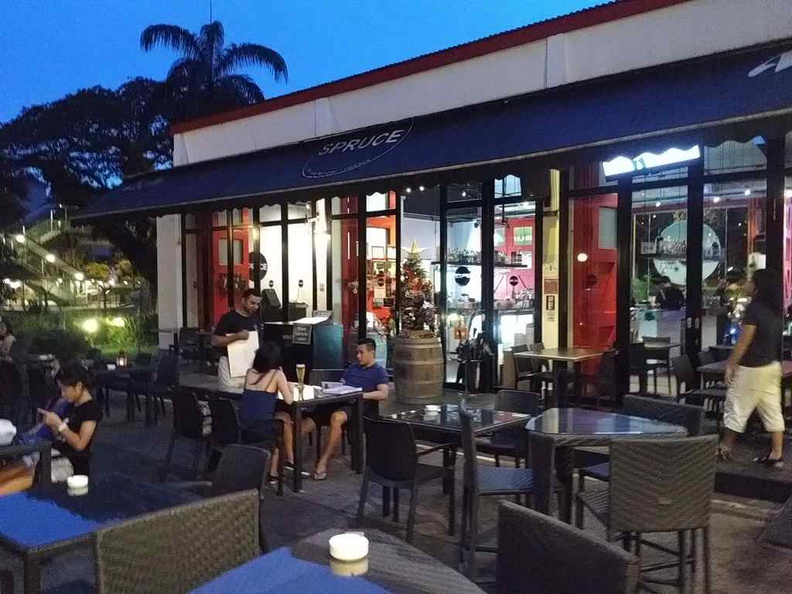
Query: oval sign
339,154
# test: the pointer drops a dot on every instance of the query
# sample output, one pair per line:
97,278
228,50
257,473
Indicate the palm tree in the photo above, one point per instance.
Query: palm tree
203,80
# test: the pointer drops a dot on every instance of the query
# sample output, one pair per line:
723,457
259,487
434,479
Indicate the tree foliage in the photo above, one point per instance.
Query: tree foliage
85,144
204,80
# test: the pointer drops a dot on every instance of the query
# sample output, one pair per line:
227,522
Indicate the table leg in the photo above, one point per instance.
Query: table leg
31,575
577,369
357,442
542,453
296,418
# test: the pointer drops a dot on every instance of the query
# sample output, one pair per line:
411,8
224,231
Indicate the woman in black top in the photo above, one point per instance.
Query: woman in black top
753,372
75,431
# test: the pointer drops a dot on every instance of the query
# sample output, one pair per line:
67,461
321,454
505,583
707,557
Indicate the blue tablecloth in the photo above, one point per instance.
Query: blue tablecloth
280,572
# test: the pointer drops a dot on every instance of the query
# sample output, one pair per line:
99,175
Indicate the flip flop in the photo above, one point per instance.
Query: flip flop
319,476
272,479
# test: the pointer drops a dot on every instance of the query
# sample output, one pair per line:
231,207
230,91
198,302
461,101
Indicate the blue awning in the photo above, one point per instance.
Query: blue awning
694,97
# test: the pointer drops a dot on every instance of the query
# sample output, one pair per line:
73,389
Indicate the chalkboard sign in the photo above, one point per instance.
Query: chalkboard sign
301,334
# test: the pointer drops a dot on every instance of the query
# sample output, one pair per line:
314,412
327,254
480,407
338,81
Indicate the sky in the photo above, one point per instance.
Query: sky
54,47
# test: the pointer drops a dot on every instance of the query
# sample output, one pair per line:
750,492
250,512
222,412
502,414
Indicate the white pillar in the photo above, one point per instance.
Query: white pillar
169,278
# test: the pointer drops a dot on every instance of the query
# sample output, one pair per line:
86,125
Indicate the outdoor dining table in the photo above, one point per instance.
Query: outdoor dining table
392,565
561,358
717,372
311,396
559,430
440,423
44,522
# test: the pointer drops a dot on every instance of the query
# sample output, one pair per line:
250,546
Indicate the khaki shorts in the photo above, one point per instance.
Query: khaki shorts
755,388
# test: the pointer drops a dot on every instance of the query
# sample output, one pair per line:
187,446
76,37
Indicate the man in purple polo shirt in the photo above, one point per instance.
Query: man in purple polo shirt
366,374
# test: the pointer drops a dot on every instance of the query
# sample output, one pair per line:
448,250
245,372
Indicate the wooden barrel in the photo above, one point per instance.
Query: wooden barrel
418,369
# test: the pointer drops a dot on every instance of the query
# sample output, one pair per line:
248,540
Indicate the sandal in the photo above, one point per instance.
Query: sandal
319,476
272,479
776,463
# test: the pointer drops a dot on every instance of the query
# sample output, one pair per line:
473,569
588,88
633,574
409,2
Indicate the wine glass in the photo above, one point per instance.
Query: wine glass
300,367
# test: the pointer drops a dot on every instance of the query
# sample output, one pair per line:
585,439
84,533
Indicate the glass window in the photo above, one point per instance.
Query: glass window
344,247
271,276
463,281
462,192
381,284
217,291
386,200
300,269
300,210
513,276
607,228
735,156
507,187
270,214
190,221
733,246
342,206
219,218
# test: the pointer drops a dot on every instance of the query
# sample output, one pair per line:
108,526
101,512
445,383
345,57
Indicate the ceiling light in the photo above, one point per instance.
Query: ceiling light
464,193
582,257
747,192
421,188
716,199
657,204
408,190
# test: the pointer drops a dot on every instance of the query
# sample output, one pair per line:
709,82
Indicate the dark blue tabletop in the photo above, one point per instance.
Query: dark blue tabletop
391,566
580,421
41,518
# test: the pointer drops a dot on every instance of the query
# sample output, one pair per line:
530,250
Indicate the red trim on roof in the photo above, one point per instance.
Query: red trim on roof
582,19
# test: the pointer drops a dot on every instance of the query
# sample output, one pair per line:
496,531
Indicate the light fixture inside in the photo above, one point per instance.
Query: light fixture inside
49,258
421,188
20,238
582,257
716,199
747,192
408,190
657,204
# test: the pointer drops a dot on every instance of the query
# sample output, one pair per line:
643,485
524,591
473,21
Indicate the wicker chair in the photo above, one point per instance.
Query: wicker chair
226,431
511,441
484,481
712,399
658,485
547,555
242,467
392,461
690,417
178,549
154,387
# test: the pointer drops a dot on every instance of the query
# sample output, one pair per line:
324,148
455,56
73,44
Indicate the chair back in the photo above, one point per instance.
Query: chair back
638,356
187,414
657,339
518,401
178,549
536,364
519,348
241,467
167,370
683,373
689,417
547,555
705,358
317,376
470,474
390,449
225,422
142,360
660,485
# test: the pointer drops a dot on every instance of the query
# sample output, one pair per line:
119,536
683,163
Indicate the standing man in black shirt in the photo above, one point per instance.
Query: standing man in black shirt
233,326
753,372
669,296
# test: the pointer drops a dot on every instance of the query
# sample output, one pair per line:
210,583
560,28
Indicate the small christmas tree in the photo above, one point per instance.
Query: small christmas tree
417,309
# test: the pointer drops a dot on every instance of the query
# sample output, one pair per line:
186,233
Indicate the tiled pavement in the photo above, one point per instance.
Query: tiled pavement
739,564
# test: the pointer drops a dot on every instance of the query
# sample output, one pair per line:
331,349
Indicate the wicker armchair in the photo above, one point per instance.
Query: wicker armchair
547,555
512,441
690,417
178,549
658,485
